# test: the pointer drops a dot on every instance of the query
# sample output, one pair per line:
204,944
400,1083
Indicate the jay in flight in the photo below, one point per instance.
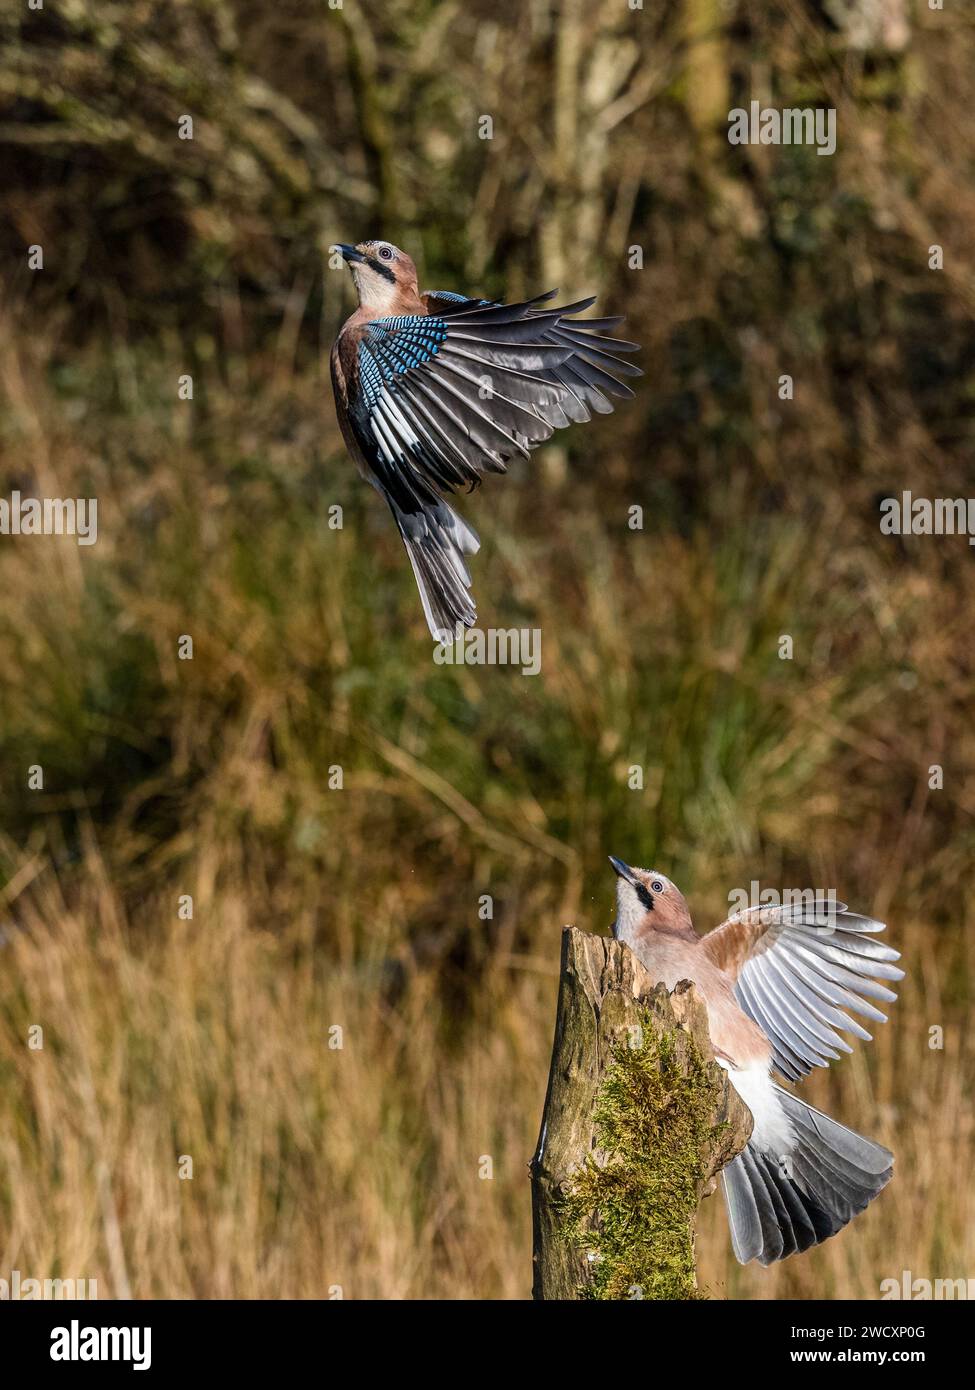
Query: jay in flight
432,390
776,982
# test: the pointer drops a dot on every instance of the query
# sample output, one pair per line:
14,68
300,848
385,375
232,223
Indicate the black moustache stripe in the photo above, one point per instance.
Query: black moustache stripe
381,269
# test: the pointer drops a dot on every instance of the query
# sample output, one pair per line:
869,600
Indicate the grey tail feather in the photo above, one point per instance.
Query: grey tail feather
779,1205
436,540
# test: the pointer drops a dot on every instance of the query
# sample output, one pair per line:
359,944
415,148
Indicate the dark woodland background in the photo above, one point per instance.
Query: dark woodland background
359,1167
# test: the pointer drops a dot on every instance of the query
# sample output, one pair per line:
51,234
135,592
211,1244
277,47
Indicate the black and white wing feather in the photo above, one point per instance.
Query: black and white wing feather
801,970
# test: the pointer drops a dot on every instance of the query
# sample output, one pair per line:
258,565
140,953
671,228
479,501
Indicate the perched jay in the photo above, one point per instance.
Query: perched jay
433,390
775,981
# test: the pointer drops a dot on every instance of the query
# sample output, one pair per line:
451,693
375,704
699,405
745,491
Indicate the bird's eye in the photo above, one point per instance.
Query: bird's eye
657,886
386,253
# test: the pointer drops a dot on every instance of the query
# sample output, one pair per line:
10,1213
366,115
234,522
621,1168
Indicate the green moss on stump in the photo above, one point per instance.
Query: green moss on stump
634,1212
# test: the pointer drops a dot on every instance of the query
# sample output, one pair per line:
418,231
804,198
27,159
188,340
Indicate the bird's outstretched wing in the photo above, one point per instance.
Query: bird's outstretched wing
436,400
585,379
797,968
451,395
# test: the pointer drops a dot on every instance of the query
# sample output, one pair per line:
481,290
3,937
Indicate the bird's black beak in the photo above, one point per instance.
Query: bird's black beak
622,870
349,253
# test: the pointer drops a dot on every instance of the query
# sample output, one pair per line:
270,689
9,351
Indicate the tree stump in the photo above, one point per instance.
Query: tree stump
638,1121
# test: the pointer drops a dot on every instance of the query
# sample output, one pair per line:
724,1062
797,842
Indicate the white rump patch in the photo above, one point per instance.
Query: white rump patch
773,1132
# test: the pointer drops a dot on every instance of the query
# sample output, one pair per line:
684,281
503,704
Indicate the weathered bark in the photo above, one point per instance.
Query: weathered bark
608,1002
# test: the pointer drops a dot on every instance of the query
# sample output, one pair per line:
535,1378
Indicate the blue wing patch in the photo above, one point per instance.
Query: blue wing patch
390,347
